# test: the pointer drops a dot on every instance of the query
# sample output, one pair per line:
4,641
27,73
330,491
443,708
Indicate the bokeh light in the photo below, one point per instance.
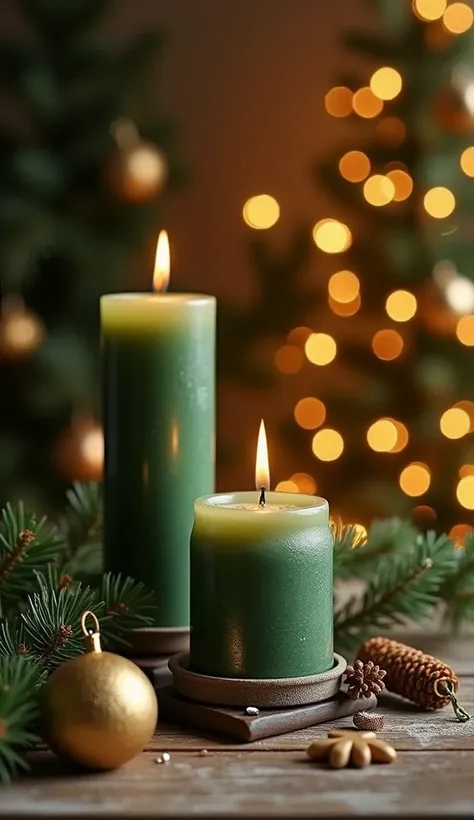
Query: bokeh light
415,479
467,161
424,515
455,423
402,436
305,483
391,131
429,9
439,202
402,182
91,448
458,533
354,166
299,335
401,305
387,344
465,492
465,330
379,190
468,407
310,413
459,293
261,212
320,348
286,487
458,18
366,104
344,286
327,444
345,308
338,101
382,436
466,469
332,236
289,359
386,83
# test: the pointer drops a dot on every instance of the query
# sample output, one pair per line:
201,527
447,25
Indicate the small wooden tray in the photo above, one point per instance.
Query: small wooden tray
268,693
268,723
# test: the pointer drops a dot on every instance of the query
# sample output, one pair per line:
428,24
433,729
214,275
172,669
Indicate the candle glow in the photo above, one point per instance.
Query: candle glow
262,469
161,274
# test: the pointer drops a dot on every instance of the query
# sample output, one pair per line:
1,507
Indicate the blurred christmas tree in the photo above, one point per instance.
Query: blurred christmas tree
383,352
80,183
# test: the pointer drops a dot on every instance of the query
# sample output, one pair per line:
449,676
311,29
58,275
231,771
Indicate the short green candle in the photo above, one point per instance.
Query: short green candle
261,586
158,414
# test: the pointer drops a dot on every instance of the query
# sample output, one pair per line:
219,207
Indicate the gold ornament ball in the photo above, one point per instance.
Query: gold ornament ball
99,710
137,172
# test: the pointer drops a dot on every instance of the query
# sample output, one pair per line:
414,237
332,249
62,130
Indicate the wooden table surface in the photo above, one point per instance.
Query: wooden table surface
433,776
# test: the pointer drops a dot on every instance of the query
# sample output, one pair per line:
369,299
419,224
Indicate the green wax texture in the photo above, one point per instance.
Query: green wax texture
159,429
261,587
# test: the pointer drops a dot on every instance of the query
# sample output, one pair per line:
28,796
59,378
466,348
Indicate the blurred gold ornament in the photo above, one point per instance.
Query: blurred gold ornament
21,330
98,710
137,170
79,452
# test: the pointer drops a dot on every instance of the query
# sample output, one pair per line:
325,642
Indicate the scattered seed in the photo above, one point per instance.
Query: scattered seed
164,758
252,710
203,753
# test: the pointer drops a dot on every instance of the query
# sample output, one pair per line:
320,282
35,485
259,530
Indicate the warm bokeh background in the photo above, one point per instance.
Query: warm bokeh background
245,82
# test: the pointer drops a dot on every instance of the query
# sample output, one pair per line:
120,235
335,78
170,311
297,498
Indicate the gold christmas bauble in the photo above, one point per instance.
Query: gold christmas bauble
98,710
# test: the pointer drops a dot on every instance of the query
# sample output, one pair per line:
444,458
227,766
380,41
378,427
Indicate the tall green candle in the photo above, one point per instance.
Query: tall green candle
158,414
261,586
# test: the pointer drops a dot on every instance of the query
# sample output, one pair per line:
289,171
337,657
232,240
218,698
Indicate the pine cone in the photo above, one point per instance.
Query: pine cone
364,679
410,673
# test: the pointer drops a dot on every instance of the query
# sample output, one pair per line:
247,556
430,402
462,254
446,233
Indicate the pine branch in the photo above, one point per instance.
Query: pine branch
357,556
406,585
127,605
458,591
26,547
19,684
82,526
51,625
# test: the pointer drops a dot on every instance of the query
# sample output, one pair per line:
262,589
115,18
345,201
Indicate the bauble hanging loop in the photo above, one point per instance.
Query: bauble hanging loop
92,638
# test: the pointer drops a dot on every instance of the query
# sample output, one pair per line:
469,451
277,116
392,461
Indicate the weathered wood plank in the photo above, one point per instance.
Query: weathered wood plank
256,785
406,726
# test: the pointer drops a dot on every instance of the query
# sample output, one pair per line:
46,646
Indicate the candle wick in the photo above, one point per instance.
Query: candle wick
261,502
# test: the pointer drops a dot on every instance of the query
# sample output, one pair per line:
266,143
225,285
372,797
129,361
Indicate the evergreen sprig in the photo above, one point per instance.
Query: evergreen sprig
404,585
26,547
42,599
458,591
20,681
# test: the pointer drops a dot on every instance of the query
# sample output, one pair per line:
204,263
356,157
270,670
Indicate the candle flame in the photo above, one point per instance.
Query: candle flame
262,469
161,275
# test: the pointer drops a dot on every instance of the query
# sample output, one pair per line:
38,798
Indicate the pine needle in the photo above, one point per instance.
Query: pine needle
405,586
19,683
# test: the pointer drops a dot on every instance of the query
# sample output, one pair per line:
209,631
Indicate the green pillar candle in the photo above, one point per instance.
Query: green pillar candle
158,413
261,586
